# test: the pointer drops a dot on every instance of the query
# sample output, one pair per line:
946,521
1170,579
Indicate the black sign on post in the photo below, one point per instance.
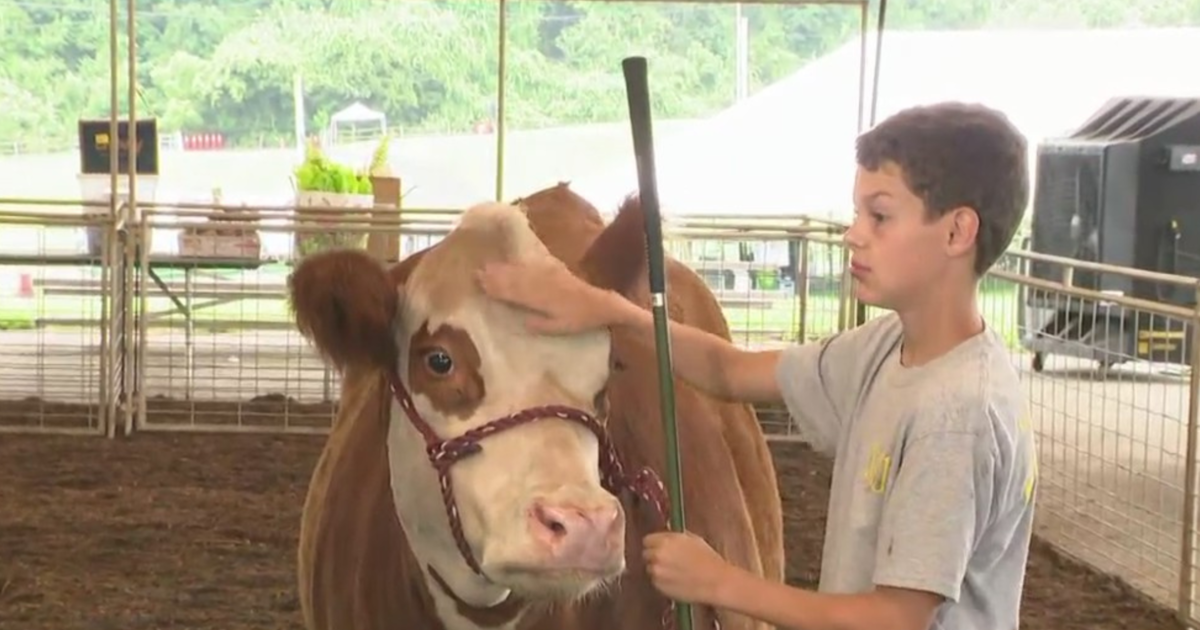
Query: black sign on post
94,141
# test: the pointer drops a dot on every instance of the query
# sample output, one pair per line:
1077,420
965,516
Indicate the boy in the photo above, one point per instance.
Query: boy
930,508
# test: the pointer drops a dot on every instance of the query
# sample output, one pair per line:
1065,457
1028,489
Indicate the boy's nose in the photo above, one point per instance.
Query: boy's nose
851,237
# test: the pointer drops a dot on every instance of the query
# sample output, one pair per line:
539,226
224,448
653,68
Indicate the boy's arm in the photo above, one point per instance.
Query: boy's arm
802,376
705,360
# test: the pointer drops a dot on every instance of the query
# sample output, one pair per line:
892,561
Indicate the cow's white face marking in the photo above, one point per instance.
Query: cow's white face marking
531,504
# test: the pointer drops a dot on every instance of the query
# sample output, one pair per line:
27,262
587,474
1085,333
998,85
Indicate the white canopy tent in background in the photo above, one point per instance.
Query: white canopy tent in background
355,114
789,149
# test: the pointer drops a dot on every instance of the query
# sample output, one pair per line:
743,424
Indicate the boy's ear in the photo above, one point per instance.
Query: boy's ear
964,230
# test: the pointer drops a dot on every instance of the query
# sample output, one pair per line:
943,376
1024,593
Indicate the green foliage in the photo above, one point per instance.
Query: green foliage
317,173
431,65
379,159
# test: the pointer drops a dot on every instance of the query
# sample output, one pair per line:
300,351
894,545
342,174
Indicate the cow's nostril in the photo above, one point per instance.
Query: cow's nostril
551,520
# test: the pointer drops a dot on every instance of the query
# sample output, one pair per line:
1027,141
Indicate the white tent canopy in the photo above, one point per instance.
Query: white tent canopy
789,149
357,113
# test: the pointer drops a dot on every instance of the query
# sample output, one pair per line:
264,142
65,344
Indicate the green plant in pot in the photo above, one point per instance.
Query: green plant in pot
322,183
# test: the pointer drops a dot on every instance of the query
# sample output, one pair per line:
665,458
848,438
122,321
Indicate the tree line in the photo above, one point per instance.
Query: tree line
430,65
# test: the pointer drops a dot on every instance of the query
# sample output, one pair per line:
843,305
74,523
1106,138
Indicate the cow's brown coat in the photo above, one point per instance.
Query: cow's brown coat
355,567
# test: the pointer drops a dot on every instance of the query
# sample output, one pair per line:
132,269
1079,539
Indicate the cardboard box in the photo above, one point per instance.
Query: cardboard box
227,246
385,246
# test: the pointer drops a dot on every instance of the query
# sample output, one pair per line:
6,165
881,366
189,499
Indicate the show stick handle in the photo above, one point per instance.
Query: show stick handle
637,90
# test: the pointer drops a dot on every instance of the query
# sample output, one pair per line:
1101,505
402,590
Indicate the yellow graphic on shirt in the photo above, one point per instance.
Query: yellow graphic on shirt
1031,477
877,470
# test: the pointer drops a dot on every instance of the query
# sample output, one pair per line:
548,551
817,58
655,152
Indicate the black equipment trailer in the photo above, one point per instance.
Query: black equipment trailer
1122,189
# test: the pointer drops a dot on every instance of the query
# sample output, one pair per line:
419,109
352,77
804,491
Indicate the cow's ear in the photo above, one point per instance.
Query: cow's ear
345,302
618,255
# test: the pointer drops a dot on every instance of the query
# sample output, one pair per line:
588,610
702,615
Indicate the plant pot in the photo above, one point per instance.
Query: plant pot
315,207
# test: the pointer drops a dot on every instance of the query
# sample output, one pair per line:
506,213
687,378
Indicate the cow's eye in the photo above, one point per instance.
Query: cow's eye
439,362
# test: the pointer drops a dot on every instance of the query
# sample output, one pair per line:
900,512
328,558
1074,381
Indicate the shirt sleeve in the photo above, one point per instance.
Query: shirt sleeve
931,521
804,375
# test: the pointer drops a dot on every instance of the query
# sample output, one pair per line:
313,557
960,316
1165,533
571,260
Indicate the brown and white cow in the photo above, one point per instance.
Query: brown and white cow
568,224
523,532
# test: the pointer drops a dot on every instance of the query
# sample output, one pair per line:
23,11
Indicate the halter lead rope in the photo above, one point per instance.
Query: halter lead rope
444,453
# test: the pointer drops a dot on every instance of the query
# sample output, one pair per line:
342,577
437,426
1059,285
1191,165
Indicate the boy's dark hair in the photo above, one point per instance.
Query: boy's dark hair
958,154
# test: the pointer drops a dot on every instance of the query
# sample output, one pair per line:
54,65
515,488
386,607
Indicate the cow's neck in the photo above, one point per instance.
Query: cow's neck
456,614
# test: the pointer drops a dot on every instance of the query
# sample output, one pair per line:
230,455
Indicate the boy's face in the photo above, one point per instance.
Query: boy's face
899,256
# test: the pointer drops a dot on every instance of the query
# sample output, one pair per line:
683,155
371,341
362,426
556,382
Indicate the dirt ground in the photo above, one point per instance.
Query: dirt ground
194,531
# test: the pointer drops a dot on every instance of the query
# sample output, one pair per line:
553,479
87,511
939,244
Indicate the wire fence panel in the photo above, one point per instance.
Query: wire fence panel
56,350
100,339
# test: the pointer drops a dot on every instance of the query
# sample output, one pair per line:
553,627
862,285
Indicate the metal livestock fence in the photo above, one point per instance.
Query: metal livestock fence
101,339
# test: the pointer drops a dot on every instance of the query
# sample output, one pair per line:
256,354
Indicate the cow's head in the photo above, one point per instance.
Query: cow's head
531,505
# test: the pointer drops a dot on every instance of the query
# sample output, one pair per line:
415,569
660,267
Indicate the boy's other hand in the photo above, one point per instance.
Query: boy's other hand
685,568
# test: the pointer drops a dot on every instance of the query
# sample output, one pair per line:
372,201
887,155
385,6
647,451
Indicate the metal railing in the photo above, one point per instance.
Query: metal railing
60,379
101,339
1112,388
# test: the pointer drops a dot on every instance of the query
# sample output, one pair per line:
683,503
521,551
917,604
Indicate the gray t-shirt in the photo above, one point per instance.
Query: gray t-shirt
934,469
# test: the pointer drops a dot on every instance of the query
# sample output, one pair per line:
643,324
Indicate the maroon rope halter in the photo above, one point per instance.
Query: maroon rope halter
443,453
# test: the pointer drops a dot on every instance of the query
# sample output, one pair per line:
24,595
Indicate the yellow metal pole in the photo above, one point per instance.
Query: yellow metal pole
880,25
131,53
106,278
138,248
863,20
1187,552
501,76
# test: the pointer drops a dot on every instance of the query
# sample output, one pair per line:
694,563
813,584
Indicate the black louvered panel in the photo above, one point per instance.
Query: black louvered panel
1067,210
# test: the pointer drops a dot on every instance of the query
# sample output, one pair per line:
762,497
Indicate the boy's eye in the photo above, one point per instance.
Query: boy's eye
875,216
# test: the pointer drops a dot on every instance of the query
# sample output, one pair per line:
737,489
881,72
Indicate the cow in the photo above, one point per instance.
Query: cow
568,224
479,476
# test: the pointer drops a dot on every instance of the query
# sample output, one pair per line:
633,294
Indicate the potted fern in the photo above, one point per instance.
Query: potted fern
323,187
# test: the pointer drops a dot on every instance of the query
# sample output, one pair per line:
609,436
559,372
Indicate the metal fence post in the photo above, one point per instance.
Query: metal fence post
1187,565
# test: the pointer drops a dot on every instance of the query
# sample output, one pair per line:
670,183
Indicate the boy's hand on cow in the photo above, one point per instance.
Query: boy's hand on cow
560,302
685,568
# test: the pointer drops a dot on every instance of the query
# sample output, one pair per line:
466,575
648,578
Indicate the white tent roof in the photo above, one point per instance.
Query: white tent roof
357,112
789,149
